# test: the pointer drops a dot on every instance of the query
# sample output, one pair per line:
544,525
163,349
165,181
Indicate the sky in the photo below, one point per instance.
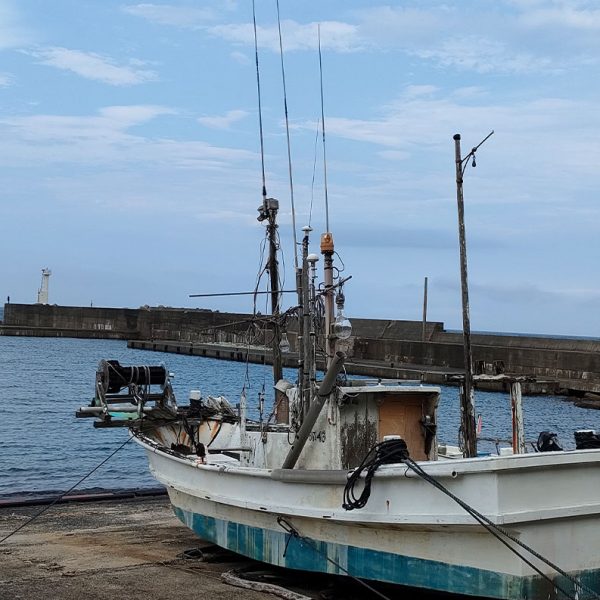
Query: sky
130,157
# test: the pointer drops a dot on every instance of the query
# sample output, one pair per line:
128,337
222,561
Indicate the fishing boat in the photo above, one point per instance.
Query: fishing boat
348,477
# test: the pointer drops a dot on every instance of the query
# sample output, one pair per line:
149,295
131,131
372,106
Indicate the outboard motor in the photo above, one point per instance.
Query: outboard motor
548,442
586,439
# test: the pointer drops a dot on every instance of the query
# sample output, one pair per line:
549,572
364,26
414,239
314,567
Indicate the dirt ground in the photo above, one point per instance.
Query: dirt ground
105,551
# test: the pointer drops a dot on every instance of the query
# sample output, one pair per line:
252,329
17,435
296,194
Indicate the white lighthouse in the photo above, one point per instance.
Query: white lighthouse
42,297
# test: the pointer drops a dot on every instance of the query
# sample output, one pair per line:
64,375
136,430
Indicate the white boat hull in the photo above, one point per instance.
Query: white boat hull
409,533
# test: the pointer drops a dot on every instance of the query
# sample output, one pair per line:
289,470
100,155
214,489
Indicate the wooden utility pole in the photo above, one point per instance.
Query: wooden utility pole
467,399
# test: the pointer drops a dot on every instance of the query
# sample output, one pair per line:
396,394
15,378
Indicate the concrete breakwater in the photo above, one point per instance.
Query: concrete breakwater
384,348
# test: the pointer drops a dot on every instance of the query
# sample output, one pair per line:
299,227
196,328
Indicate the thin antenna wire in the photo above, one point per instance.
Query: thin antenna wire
260,124
312,185
323,128
287,133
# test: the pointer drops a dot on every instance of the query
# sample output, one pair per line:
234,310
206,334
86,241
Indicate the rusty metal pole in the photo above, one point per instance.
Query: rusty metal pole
301,333
307,390
424,310
270,207
275,295
327,250
467,399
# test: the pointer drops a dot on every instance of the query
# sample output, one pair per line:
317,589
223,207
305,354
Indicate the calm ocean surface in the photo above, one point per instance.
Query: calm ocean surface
44,380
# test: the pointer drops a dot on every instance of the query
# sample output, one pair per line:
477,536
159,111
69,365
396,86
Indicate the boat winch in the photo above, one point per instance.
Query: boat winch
126,395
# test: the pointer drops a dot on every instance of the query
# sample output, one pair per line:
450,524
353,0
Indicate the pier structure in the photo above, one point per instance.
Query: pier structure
378,347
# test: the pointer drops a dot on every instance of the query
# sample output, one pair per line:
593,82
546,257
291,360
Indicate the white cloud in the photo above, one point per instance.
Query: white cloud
105,139
225,121
584,16
240,58
6,79
484,55
188,17
94,66
522,39
335,35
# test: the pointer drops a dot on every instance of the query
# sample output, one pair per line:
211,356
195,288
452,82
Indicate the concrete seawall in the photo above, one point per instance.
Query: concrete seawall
385,347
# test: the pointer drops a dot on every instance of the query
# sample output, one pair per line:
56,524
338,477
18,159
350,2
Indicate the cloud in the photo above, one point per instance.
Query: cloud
513,36
240,58
104,139
483,55
583,16
6,79
188,17
335,35
225,121
94,66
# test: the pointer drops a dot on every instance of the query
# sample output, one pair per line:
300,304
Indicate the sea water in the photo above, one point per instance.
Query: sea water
43,381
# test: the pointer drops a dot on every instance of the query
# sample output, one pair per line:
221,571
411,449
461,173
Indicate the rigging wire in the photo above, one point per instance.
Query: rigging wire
287,133
323,130
61,496
260,123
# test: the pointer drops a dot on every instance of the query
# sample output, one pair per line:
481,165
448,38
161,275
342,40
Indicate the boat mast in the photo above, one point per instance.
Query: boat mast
306,349
268,211
271,207
327,249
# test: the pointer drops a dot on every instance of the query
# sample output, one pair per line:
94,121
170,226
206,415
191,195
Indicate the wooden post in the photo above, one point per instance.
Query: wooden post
424,310
467,399
518,433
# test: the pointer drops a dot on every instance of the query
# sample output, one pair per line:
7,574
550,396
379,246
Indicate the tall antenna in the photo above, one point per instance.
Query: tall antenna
287,133
260,124
323,129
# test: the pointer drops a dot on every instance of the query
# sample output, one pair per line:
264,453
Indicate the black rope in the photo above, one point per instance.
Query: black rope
395,451
387,452
61,496
495,530
294,533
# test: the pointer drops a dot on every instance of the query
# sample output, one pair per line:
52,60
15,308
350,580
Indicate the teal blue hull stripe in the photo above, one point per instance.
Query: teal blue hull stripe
267,546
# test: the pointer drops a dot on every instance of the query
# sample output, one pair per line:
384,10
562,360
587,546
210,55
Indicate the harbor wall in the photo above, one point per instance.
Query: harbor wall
391,344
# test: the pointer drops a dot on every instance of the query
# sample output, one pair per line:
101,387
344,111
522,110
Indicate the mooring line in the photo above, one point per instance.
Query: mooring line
293,532
61,496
